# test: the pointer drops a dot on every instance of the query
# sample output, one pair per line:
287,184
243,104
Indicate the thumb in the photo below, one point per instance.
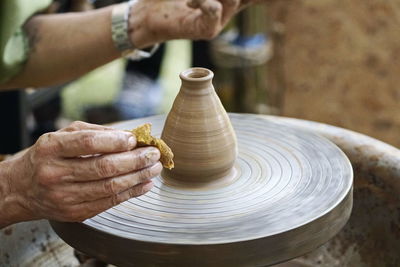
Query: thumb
212,9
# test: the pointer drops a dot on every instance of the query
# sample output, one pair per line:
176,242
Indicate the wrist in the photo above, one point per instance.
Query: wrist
11,207
122,31
140,35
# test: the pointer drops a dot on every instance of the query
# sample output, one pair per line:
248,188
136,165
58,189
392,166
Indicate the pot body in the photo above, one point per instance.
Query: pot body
199,131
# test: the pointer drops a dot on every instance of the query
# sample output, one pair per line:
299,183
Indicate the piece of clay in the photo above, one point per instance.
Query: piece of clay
144,138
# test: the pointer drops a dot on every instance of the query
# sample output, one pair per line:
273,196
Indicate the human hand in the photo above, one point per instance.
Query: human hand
154,21
78,172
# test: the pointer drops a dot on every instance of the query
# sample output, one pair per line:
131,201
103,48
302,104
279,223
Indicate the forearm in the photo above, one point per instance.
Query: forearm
65,46
11,211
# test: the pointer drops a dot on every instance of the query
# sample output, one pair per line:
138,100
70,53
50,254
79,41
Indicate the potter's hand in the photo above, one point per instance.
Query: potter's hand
88,35
154,21
56,179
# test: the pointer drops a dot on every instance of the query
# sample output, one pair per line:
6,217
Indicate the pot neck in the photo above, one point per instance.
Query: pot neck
197,81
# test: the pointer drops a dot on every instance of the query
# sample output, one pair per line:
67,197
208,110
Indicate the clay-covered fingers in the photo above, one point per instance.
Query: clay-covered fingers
93,190
85,142
80,125
111,165
86,210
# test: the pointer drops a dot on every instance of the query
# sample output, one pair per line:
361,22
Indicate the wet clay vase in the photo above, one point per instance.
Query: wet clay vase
199,131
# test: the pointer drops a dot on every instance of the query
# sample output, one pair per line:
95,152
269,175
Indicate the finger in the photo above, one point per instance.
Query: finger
195,3
229,8
80,125
210,8
89,209
91,142
106,166
90,191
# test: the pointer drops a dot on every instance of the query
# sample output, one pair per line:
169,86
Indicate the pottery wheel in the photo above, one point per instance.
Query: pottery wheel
291,192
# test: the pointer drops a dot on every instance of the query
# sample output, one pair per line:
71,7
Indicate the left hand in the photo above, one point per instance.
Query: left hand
74,174
154,21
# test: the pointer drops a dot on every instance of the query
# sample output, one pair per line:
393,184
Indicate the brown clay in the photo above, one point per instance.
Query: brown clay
199,132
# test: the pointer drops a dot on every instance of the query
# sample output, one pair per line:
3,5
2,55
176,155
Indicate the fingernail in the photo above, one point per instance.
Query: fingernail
132,142
156,169
152,154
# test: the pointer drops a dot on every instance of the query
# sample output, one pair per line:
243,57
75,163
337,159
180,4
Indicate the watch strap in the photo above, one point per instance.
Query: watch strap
119,26
120,35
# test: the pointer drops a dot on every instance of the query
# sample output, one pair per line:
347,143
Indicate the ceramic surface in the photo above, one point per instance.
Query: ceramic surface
291,192
199,132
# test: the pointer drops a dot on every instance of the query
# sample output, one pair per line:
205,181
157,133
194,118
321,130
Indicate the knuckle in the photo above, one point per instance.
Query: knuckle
75,126
68,198
150,172
147,157
115,200
145,173
105,167
110,187
121,140
45,176
132,192
137,191
88,141
78,124
46,144
56,198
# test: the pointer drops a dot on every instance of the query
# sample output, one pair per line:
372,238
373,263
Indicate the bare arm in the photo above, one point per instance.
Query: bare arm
52,179
65,46
10,209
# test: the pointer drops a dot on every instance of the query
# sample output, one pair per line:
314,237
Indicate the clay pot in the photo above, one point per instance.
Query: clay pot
199,131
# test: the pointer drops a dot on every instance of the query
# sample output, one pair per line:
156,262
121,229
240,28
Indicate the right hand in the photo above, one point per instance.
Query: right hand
80,171
155,21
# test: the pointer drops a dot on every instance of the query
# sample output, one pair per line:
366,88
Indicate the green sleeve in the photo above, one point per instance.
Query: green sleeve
14,46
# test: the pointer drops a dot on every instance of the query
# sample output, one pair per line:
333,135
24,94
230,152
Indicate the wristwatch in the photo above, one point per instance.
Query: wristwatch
119,32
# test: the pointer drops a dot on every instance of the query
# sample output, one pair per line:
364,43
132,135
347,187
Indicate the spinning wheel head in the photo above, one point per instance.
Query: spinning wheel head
290,192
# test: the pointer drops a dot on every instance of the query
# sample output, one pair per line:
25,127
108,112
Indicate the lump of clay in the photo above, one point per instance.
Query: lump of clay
144,138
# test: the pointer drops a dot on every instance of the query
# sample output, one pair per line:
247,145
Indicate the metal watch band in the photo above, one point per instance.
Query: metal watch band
119,26
120,36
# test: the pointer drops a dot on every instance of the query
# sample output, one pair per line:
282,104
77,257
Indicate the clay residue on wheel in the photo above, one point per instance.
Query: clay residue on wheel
144,138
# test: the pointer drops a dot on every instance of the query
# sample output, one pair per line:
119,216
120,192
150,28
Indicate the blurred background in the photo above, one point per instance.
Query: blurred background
331,61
